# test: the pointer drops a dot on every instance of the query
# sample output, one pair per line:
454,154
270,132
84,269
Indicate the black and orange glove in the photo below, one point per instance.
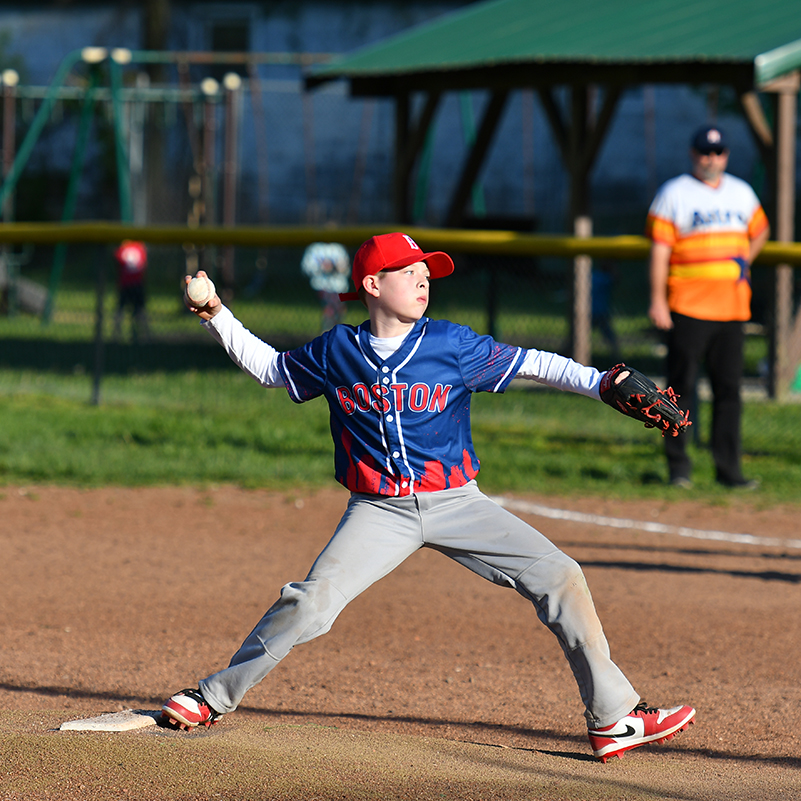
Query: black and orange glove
635,395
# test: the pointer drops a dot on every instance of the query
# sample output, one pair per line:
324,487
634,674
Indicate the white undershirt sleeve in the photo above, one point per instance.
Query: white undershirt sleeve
560,372
260,360
255,357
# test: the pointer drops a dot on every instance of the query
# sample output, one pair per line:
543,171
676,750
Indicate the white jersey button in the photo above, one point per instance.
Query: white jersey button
390,418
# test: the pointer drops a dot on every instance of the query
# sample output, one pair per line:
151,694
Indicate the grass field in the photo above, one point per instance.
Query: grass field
220,427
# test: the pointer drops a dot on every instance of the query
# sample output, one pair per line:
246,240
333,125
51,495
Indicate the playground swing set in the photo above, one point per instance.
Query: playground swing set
104,84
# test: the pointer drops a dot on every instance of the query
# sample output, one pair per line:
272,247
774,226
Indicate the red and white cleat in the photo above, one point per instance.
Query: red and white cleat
644,725
188,709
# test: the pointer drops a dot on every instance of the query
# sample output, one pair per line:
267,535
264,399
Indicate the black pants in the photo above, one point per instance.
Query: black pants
719,346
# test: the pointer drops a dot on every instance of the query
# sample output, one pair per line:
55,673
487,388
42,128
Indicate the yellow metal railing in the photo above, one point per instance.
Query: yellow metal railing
500,242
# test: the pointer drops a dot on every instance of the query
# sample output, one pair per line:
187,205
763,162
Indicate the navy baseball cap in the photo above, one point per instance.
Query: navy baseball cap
709,139
387,251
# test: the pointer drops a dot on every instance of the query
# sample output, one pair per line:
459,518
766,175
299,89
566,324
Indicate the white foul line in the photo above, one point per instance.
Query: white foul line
641,525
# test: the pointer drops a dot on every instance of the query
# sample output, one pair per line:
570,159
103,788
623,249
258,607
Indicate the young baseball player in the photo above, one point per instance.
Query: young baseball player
399,389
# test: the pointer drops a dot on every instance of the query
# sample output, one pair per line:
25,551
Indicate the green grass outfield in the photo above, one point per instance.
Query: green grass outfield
220,427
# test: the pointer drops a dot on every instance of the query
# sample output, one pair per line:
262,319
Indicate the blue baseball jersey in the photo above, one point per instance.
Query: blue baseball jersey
401,425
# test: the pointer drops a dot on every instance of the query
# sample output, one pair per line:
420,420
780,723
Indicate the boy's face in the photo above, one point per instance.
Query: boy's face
403,291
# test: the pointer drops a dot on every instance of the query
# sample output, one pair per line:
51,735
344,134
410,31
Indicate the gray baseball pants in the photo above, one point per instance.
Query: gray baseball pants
376,534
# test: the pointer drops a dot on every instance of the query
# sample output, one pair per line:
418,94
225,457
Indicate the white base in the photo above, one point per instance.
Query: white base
114,721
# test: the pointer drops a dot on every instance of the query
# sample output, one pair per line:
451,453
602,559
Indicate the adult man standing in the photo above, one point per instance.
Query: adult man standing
706,230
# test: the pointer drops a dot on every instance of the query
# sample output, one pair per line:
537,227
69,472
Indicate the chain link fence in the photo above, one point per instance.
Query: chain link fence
520,300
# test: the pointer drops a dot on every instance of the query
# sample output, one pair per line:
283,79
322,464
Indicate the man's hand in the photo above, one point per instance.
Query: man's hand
659,313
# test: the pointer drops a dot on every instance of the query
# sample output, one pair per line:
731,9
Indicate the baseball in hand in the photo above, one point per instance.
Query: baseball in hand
200,290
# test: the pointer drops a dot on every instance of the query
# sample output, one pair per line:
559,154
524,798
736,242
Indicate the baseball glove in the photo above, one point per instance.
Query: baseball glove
635,395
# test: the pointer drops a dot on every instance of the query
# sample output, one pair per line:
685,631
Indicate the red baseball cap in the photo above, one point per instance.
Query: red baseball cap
385,251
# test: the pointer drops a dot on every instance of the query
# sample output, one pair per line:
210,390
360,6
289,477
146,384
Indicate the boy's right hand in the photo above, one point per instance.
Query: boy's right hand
213,307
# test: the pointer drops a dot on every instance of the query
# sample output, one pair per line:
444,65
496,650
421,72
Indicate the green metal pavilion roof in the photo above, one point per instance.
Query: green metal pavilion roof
646,40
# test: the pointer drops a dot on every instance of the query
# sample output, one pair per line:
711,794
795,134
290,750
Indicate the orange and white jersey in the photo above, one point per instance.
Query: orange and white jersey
709,230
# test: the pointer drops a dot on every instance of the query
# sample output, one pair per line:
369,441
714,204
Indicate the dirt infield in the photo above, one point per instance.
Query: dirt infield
433,684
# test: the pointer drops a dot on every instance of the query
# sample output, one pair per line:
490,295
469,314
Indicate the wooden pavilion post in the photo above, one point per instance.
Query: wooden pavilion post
581,320
410,138
777,148
476,157
400,181
786,333
579,141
